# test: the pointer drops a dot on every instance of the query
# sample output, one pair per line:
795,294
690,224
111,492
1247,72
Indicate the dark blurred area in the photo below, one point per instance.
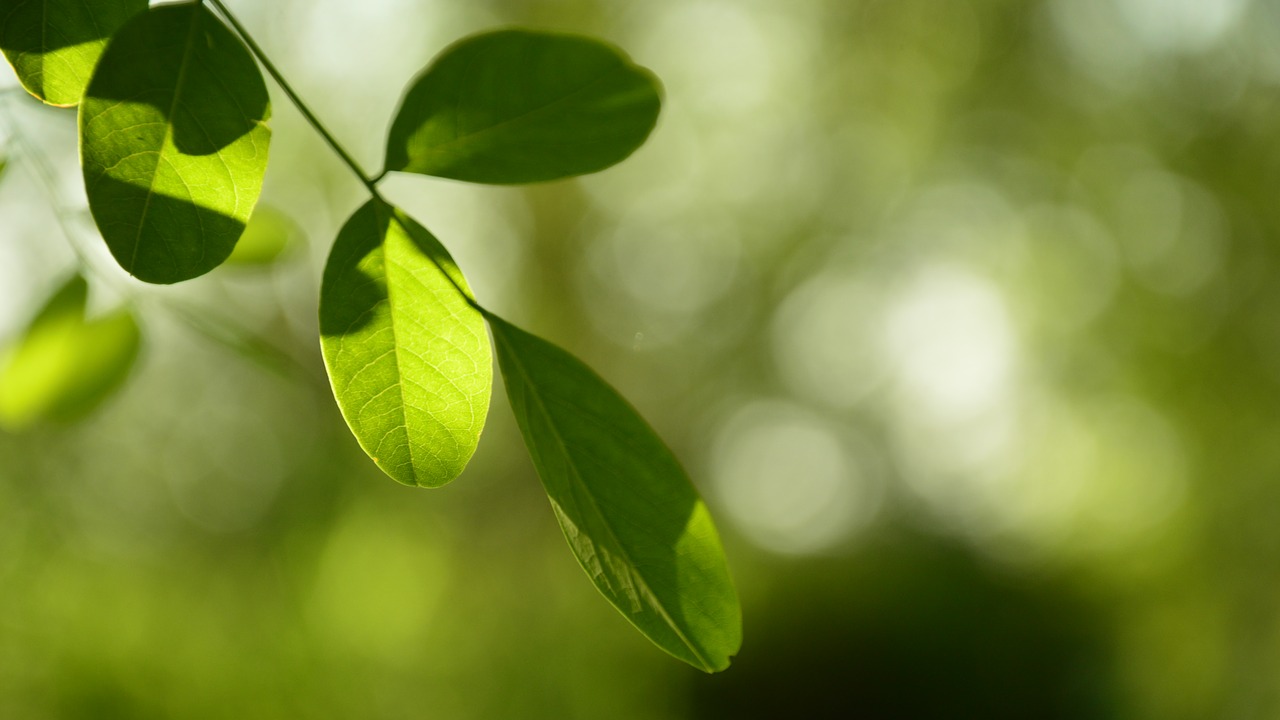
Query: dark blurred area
916,628
963,316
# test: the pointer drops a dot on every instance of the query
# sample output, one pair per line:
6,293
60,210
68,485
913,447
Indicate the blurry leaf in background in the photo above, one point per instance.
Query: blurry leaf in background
269,233
515,106
54,44
407,354
64,366
174,143
627,508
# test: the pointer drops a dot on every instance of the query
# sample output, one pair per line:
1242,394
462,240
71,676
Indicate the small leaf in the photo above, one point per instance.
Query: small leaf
173,142
64,366
627,508
515,106
54,44
406,352
268,234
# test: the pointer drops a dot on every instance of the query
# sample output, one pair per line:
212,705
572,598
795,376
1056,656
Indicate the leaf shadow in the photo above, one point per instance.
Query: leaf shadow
177,239
79,24
355,288
351,293
183,62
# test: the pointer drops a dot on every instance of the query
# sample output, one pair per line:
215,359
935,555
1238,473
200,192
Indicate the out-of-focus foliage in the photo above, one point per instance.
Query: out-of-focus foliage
268,234
65,365
962,315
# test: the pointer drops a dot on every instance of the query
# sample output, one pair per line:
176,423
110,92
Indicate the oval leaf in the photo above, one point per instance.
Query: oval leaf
406,352
54,44
63,367
627,508
173,142
515,106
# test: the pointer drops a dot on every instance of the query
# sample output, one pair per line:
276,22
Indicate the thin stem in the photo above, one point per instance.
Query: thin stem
369,182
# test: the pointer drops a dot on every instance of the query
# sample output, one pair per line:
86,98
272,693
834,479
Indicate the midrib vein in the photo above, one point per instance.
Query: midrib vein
168,133
387,264
525,116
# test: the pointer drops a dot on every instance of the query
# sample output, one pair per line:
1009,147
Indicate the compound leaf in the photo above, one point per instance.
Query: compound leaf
516,106
627,508
53,45
407,354
173,142
64,365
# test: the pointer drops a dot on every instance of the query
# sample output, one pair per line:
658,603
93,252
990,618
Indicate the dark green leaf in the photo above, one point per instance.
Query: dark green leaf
627,508
406,352
174,142
515,106
54,44
64,366
268,234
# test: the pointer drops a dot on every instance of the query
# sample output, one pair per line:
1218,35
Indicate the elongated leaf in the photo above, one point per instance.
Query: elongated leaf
515,106
54,44
64,366
173,142
629,512
407,354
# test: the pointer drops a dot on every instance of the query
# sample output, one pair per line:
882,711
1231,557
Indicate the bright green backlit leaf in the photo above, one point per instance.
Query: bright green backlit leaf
64,366
174,142
627,508
406,352
54,44
268,234
515,106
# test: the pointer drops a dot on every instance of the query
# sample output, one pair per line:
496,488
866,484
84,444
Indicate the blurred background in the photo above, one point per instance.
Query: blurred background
964,317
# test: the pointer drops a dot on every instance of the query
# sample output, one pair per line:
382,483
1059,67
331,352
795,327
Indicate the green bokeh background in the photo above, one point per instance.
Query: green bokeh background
963,315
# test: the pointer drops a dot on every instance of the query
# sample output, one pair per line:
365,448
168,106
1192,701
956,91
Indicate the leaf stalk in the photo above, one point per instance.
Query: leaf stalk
368,181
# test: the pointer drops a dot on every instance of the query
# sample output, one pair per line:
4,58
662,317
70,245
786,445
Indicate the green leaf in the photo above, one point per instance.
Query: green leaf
627,508
407,354
174,142
268,234
54,44
515,106
64,366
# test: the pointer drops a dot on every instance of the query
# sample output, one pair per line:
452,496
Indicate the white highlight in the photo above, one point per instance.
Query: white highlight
950,340
790,482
